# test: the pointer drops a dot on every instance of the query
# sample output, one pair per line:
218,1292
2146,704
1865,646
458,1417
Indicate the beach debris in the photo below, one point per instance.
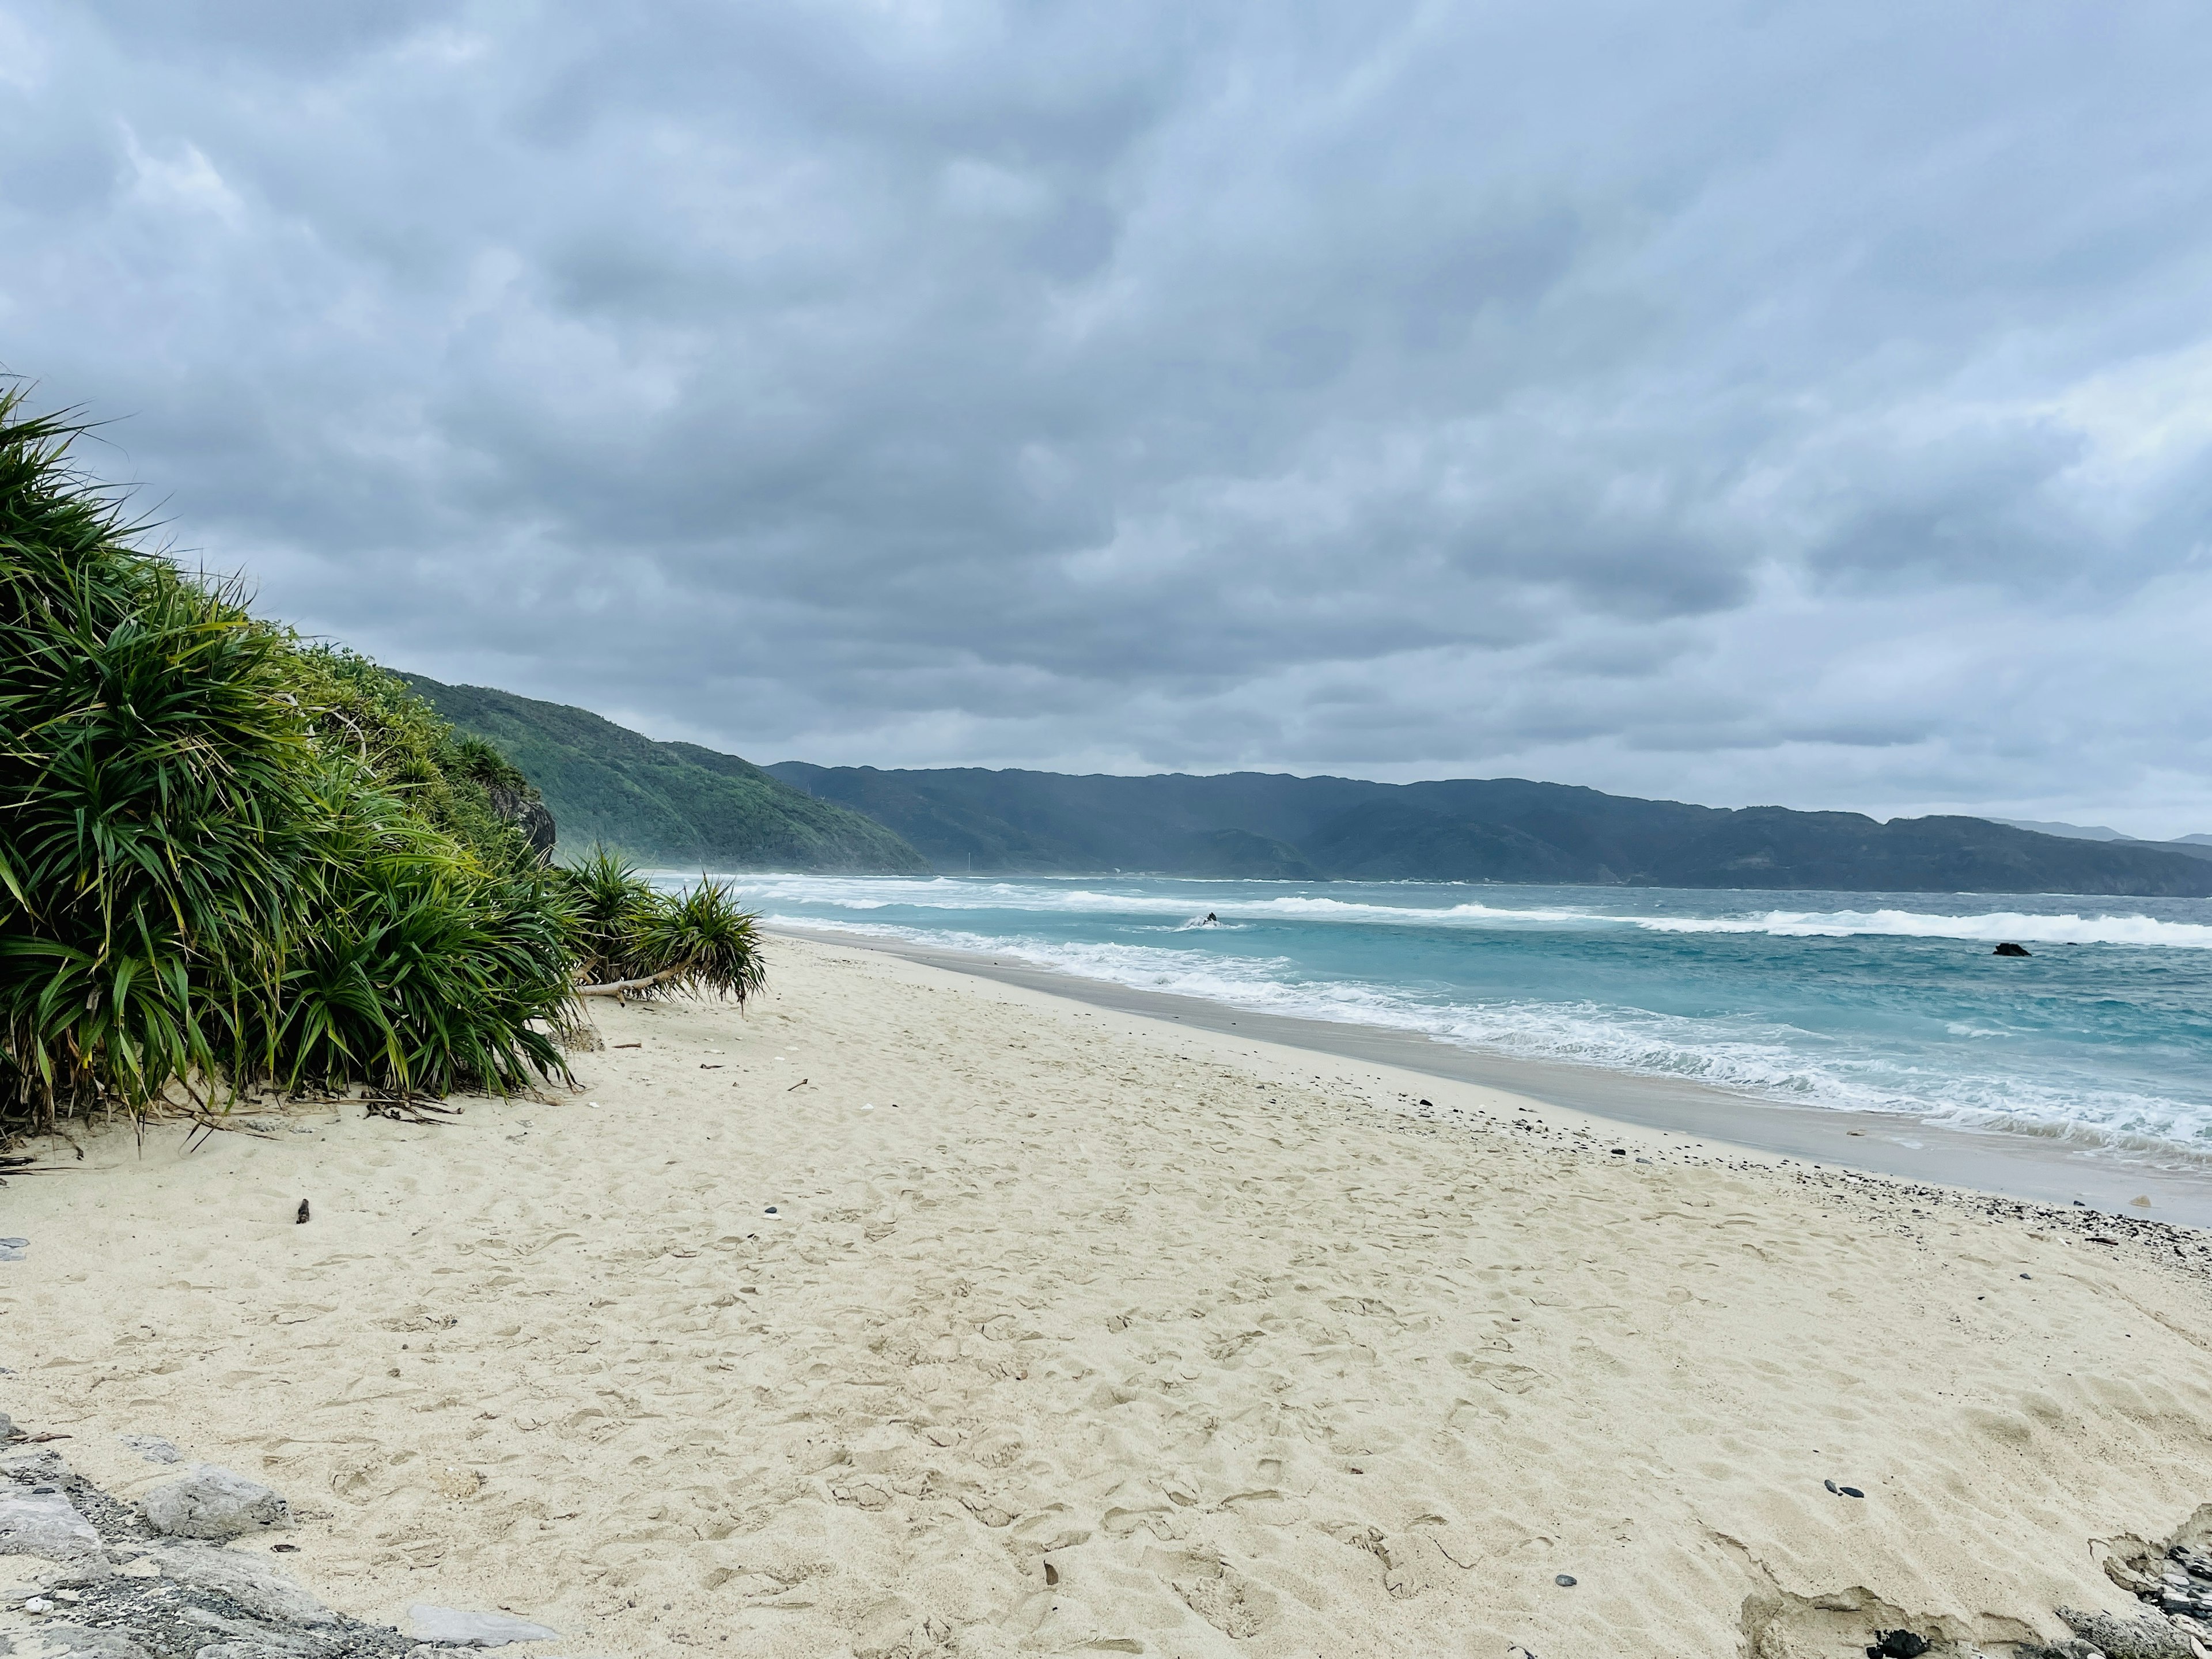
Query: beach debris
716,1066
2008,949
300,1219
1565,1580
214,1503
1850,1492
41,1521
801,1083
583,1037
457,1628
153,1448
770,1210
12,1250
1830,1485
1897,1644
630,1045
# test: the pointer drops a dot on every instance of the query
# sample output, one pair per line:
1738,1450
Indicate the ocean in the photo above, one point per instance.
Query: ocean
2101,1037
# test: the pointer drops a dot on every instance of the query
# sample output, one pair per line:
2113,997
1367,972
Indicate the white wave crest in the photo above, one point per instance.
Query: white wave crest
1249,902
1776,1061
1994,926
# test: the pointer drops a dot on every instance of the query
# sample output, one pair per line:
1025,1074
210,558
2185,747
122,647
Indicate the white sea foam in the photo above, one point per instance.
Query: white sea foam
1776,1061
1242,901
1997,925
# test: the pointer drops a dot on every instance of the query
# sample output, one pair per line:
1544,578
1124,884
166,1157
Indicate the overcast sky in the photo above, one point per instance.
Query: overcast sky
1746,403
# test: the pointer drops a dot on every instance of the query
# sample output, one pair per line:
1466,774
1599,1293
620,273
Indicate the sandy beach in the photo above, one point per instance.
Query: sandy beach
912,1313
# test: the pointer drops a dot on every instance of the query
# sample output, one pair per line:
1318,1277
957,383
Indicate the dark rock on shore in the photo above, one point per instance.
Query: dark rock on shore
531,817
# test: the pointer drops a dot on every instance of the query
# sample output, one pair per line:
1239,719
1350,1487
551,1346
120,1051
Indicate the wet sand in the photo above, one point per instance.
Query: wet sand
2020,1166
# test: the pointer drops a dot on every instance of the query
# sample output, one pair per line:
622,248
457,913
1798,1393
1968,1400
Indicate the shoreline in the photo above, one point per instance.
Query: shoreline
909,1313
2038,1169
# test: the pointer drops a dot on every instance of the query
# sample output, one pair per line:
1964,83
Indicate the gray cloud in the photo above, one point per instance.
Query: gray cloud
1737,402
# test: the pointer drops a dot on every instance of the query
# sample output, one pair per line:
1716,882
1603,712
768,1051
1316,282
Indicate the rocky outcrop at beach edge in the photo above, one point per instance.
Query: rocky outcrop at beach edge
527,813
114,1586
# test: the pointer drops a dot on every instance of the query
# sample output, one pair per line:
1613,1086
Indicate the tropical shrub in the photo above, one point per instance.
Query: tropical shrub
454,780
205,880
634,938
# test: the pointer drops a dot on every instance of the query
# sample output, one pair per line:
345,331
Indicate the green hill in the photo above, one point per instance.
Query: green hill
672,804
1503,830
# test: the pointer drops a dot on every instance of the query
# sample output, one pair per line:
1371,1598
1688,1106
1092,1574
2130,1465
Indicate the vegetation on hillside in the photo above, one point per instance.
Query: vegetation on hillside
1500,829
227,859
671,804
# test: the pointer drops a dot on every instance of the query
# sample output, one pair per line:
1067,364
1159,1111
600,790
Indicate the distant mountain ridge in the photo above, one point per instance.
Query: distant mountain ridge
684,806
1501,829
2197,847
671,803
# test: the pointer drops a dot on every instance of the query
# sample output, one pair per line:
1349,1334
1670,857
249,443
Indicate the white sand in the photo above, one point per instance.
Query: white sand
1109,1337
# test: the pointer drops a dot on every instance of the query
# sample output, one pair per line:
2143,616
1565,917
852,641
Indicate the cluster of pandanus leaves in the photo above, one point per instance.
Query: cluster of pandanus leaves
201,893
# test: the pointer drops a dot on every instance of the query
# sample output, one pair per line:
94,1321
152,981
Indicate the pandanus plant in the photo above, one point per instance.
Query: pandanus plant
632,939
200,889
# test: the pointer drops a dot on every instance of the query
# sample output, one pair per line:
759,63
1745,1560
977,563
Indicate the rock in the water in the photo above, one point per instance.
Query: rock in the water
213,1502
474,1630
47,1524
153,1448
2010,950
258,1587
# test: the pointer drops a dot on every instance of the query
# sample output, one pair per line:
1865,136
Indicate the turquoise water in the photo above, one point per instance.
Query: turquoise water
1887,1002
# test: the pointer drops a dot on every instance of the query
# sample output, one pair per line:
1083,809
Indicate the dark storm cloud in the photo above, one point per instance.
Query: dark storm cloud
1733,402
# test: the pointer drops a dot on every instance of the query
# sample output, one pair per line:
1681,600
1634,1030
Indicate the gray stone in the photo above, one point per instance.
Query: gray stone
257,1634
79,1643
253,1584
474,1630
47,1525
529,813
2153,1635
214,1503
153,1448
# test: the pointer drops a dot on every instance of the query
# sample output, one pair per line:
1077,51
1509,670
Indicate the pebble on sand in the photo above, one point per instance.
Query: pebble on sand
153,1448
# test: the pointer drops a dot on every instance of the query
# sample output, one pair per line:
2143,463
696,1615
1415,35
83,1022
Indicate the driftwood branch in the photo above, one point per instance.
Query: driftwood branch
623,987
